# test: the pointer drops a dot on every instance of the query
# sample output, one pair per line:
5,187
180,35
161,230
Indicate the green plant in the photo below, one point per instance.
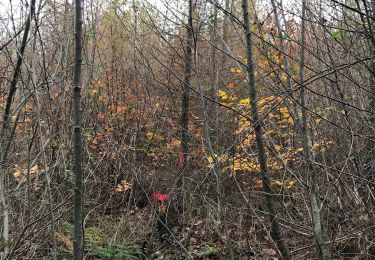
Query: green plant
209,252
94,236
116,252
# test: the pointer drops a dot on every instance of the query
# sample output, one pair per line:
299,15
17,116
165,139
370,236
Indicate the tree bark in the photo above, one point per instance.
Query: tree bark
322,248
185,99
269,194
5,125
285,59
77,135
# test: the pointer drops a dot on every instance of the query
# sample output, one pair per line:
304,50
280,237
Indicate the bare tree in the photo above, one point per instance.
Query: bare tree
269,194
5,138
315,203
77,135
186,98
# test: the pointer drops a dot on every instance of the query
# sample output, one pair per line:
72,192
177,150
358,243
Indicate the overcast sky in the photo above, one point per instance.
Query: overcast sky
17,7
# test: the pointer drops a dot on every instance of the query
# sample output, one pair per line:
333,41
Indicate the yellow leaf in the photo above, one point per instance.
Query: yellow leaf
245,101
17,172
284,111
277,147
290,183
93,92
263,100
150,135
316,145
253,166
34,169
258,183
222,93
246,141
120,109
123,186
175,142
101,116
276,183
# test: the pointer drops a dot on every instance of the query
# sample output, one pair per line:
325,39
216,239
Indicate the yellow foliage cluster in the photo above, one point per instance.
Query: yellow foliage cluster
226,98
279,134
289,183
123,186
276,119
235,70
20,172
241,164
217,158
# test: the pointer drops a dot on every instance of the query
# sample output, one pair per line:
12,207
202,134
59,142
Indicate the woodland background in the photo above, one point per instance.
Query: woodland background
218,129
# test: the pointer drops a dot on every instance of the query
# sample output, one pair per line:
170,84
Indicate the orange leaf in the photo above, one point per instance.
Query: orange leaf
231,85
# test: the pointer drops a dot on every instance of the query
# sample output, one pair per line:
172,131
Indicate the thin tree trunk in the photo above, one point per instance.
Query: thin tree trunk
269,194
322,248
214,75
285,59
43,150
212,138
185,100
369,33
225,25
78,184
225,33
5,126
217,166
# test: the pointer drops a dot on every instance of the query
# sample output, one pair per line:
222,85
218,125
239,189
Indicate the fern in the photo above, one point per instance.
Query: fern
116,252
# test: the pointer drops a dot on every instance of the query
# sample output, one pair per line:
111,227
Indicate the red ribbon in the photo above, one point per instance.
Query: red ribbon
159,196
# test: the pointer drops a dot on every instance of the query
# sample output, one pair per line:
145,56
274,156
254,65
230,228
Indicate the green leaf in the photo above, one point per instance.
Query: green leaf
206,88
336,34
211,17
353,156
88,86
211,251
318,111
115,252
286,37
88,131
91,34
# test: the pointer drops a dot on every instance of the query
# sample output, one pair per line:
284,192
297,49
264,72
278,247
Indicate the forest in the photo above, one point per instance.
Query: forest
187,129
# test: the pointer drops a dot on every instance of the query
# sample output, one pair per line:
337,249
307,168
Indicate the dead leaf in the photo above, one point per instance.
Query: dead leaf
231,85
123,186
34,169
17,172
193,241
269,251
